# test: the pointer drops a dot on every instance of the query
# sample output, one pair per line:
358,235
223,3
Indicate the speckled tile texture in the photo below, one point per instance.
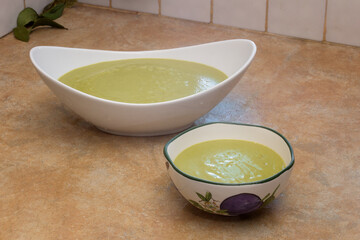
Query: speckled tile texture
61,178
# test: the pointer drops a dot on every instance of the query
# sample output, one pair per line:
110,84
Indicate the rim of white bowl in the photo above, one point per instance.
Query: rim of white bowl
287,168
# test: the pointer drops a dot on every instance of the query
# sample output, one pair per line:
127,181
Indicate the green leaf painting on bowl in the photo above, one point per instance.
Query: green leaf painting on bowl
208,204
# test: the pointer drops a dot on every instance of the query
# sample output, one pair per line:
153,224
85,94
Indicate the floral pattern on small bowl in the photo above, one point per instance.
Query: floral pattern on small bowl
233,206
208,204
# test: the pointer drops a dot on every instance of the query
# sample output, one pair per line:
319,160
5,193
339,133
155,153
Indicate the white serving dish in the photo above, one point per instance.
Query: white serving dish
232,57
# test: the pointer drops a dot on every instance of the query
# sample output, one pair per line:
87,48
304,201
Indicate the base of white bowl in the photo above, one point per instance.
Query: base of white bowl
146,134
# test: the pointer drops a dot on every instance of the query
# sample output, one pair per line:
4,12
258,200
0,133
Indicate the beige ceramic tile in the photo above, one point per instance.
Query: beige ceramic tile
37,5
343,22
298,18
149,6
197,10
248,14
8,14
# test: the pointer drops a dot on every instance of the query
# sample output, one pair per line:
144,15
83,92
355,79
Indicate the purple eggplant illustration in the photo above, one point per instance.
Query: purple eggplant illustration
235,205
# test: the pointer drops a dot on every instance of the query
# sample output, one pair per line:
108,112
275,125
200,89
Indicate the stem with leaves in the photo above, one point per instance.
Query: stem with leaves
28,19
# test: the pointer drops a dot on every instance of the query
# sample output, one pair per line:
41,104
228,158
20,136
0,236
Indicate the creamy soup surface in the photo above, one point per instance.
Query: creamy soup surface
229,161
143,80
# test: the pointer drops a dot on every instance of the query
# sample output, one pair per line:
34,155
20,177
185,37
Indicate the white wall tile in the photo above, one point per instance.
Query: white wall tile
248,14
149,6
343,22
105,3
9,11
299,18
197,10
37,5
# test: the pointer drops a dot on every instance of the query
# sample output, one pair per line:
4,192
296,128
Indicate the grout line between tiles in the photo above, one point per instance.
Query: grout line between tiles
266,15
325,21
159,2
211,11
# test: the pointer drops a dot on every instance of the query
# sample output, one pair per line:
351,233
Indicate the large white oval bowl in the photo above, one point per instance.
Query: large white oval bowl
232,57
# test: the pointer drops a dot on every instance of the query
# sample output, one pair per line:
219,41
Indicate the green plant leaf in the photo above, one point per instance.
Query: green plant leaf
21,33
27,17
201,197
208,196
47,22
48,7
54,12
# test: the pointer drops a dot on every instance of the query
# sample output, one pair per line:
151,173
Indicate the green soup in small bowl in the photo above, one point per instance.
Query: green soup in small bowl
229,168
229,161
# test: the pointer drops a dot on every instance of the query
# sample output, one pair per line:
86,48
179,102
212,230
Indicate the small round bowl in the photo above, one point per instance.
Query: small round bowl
229,199
232,57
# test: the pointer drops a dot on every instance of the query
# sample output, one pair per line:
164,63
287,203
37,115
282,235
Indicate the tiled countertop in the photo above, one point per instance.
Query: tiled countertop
61,178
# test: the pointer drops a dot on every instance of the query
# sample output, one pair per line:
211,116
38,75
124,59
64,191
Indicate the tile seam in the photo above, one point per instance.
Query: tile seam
159,2
325,21
212,11
266,15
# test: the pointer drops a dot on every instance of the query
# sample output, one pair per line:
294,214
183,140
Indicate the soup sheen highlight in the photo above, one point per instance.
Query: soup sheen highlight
144,80
229,161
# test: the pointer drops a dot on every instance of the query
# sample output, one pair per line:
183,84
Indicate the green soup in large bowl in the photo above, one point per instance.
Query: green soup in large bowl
143,80
144,104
